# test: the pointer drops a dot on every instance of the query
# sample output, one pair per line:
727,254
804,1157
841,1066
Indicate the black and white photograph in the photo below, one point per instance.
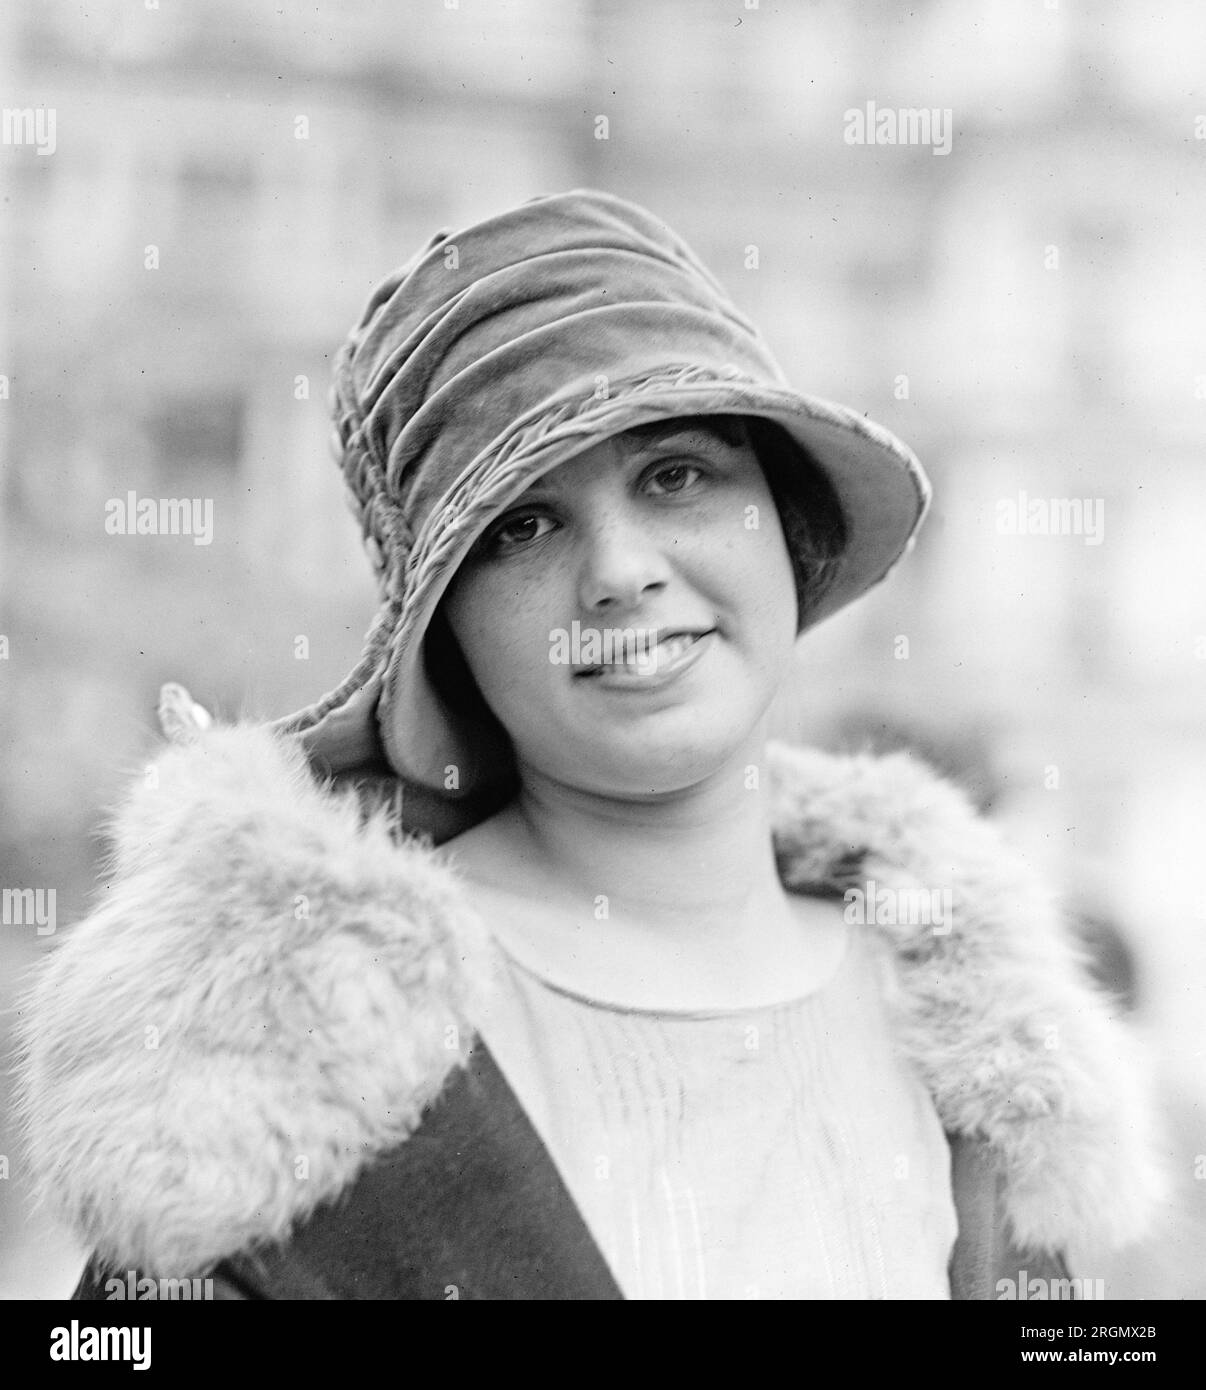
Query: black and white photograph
603,658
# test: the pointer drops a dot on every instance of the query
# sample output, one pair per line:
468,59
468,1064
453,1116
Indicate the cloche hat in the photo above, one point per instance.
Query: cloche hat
501,351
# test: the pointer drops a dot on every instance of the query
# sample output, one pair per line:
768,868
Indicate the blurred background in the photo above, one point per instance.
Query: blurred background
227,182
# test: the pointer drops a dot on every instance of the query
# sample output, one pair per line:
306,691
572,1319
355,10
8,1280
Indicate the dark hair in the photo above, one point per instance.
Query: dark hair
813,522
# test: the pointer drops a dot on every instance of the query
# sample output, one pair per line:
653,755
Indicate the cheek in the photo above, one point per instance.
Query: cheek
760,579
779,584
502,632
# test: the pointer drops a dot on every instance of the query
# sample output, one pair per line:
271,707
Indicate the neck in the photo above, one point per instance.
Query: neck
670,901
696,861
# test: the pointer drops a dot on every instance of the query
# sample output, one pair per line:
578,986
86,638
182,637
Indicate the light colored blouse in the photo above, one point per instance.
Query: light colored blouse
776,1152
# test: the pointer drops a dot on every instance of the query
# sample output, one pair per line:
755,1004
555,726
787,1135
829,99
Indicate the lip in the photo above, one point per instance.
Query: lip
605,678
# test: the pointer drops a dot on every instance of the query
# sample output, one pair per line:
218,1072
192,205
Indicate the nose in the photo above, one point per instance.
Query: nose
621,563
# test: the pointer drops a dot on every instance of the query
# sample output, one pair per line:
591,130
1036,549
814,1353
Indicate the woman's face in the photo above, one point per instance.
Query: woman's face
629,619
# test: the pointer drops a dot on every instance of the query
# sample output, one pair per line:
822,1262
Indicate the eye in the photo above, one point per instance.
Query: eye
514,532
673,478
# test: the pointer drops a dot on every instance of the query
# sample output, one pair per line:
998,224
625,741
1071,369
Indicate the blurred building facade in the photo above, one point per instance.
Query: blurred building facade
1028,311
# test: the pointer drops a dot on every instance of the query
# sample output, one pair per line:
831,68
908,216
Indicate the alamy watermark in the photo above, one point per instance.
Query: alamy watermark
29,125
635,647
1036,1289
143,1288
1052,516
161,516
877,905
908,125
76,1343
28,907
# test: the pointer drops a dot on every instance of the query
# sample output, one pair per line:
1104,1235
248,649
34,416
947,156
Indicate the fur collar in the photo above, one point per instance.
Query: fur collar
272,990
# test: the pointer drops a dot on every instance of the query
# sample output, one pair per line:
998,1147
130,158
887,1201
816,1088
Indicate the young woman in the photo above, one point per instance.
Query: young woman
651,1007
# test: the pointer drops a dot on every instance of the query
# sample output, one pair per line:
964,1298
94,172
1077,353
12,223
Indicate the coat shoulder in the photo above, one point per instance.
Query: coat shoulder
270,993
992,1003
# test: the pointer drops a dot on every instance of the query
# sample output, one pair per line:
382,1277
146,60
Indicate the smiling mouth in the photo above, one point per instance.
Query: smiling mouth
638,665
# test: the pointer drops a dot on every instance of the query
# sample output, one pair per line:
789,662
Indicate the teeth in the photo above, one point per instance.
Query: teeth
646,663
667,651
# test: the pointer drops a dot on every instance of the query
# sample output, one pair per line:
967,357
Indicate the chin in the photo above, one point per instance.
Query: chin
662,759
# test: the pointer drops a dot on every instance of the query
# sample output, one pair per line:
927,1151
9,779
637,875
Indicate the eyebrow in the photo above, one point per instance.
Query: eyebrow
654,436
